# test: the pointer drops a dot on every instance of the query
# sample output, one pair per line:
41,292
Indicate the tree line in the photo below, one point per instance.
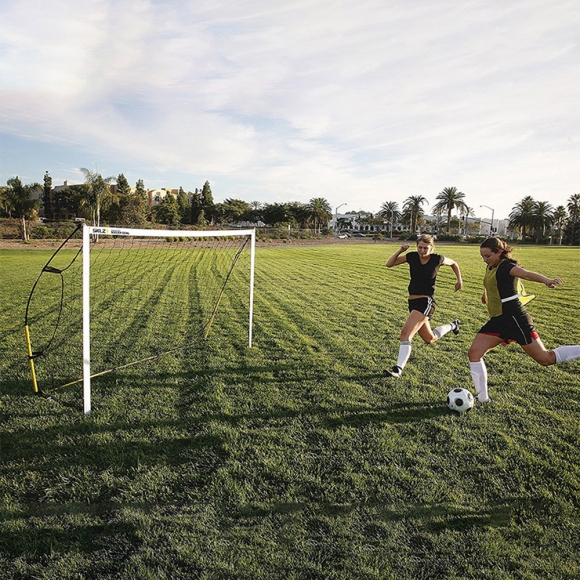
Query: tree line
532,220
113,201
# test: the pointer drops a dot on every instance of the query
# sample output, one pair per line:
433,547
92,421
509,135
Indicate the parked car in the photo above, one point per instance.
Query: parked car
343,236
358,235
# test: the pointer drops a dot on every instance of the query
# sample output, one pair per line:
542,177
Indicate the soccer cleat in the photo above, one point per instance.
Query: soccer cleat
477,400
394,372
456,322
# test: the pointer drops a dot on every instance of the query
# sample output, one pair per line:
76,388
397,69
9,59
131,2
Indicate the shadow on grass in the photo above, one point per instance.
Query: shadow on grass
88,538
67,438
79,445
331,413
434,517
107,521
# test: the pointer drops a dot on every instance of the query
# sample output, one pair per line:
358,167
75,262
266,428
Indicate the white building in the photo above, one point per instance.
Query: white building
355,222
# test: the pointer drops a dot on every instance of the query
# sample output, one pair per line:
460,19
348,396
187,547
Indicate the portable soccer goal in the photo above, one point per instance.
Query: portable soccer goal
110,299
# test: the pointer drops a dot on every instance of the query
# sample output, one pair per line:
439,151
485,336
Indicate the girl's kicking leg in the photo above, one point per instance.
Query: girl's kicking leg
538,352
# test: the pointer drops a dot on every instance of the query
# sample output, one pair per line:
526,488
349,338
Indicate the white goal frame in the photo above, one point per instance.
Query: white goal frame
89,231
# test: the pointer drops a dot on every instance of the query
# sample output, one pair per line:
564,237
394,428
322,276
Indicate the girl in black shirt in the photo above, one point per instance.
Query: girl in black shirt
424,266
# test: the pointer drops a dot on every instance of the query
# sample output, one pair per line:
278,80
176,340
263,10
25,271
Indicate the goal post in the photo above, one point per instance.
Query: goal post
120,297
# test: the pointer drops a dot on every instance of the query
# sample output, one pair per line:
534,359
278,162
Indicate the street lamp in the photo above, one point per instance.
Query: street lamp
336,216
492,212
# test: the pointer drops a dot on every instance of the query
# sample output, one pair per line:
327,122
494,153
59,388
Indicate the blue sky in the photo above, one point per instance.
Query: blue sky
356,101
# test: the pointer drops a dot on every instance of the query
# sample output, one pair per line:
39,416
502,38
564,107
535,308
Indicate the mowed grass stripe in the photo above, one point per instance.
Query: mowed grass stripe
322,304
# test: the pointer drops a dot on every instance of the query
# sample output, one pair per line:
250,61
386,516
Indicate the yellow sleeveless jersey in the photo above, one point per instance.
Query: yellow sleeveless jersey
495,301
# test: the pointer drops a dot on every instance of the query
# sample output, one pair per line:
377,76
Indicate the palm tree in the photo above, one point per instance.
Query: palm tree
543,215
449,199
574,214
466,212
560,215
98,193
413,210
437,220
390,211
522,215
18,199
319,211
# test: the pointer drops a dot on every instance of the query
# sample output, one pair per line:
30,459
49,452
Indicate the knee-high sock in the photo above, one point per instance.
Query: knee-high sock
479,376
404,353
442,330
566,353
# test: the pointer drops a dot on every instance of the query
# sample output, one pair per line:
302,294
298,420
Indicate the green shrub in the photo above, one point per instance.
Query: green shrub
474,239
449,238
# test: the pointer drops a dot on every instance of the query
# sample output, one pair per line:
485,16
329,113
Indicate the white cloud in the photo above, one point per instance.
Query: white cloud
368,99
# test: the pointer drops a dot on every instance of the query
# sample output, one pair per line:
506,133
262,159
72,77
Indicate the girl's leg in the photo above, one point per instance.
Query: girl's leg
538,352
430,336
426,333
413,324
481,344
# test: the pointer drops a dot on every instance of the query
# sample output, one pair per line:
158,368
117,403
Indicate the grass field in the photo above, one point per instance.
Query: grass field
295,458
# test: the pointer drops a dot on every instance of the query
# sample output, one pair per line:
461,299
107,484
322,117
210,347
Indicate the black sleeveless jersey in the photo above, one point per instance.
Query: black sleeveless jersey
423,276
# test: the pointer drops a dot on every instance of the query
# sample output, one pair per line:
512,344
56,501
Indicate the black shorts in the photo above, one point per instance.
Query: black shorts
515,327
425,306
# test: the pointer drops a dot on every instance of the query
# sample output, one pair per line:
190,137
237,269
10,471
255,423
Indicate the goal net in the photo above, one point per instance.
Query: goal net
110,299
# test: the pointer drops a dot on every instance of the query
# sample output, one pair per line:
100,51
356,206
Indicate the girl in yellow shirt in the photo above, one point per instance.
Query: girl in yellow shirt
510,321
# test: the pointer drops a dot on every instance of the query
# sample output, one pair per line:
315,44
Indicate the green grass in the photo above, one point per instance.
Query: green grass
296,459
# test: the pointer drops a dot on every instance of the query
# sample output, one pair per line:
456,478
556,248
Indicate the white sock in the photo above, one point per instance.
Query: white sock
404,353
479,376
442,330
566,353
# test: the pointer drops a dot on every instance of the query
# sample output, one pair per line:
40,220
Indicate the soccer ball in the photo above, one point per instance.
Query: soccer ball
460,400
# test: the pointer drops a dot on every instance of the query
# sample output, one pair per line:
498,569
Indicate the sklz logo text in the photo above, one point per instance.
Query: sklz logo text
99,230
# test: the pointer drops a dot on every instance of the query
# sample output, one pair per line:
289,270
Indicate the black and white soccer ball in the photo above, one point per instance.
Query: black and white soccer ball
460,400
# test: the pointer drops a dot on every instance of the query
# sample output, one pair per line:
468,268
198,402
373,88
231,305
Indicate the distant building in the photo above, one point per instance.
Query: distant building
367,222
156,196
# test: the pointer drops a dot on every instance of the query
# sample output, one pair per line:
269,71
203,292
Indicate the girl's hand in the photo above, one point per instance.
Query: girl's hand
458,285
404,248
484,298
553,283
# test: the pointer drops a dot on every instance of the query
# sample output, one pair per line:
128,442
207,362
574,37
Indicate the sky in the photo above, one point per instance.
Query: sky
356,101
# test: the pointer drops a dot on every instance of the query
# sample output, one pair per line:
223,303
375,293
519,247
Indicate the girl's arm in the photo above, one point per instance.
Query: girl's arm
397,258
535,277
455,267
